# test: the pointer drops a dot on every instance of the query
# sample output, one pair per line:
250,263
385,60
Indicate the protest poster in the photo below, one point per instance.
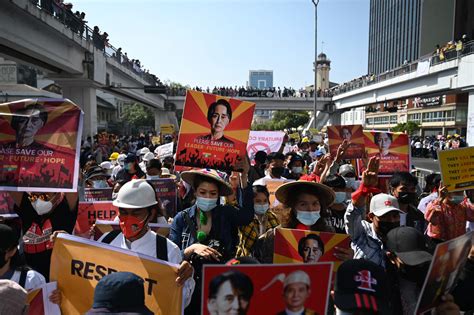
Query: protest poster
457,168
97,194
298,246
268,141
214,131
392,148
448,261
166,193
166,129
295,136
40,145
105,226
38,300
267,282
89,212
353,134
164,150
78,264
272,186
155,140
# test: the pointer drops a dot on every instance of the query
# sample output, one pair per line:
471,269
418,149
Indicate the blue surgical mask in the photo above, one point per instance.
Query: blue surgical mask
206,204
261,209
341,196
308,218
457,199
99,184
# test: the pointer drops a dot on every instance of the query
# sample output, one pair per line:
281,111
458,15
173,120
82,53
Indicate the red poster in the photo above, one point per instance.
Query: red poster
266,289
392,148
89,212
166,194
353,134
214,131
40,145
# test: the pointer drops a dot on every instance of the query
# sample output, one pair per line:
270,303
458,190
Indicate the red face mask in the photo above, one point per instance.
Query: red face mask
131,226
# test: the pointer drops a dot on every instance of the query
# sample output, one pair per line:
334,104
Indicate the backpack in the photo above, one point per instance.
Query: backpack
161,244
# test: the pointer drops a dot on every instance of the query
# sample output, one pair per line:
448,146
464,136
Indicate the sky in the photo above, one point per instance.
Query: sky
216,42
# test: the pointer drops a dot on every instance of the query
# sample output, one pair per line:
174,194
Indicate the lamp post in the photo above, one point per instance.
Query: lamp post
315,2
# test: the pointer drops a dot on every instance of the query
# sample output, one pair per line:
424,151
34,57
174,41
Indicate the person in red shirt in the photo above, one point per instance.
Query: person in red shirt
447,215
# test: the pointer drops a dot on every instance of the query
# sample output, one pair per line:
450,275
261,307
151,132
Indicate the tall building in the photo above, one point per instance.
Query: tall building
394,29
323,66
405,30
261,79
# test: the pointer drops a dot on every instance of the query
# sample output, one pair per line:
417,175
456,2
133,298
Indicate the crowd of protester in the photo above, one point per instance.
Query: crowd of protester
321,192
452,49
248,91
430,145
75,21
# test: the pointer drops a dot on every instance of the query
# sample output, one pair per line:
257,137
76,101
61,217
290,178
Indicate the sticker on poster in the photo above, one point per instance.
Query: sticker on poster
214,131
40,145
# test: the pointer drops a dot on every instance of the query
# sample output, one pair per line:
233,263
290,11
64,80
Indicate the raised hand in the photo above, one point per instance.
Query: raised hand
370,176
341,150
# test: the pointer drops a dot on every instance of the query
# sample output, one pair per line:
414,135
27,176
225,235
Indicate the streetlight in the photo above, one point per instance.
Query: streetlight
315,2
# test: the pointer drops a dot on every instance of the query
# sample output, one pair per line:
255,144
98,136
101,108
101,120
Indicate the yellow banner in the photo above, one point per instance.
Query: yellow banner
78,264
457,168
167,129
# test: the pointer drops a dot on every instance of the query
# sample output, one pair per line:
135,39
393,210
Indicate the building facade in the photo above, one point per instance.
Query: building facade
261,79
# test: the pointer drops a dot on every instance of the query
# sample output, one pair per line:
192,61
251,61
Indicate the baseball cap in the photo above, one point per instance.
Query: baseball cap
409,245
361,284
381,204
319,153
144,151
148,156
120,292
346,169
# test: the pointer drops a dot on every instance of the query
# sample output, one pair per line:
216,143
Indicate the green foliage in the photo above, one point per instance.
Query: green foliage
284,120
137,115
409,127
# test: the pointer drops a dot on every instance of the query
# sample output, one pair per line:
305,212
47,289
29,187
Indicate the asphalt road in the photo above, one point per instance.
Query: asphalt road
427,164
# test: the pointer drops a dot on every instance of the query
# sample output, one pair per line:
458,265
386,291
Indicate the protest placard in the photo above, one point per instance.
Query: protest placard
214,131
272,186
40,145
167,195
392,148
448,261
78,264
89,212
164,150
267,141
97,194
457,168
105,226
298,246
166,129
260,289
39,303
353,134
155,140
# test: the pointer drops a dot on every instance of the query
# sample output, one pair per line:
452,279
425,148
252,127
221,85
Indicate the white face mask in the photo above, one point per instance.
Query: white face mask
308,218
42,207
297,170
152,177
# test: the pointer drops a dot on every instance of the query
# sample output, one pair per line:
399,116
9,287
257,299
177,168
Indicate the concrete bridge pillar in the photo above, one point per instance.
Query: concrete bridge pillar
470,119
84,96
165,117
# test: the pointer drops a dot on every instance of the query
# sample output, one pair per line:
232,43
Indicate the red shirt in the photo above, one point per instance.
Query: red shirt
448,221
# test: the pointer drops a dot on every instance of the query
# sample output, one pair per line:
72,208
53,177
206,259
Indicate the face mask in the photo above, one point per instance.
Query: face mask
277,171
99,184
131,226
406,197
385,227
340,197
152,177
457,199
261,209
308,218
206,204
42,207
297,170
128,166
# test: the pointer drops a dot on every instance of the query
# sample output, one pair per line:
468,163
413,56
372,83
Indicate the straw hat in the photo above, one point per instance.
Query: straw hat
190,176
325,194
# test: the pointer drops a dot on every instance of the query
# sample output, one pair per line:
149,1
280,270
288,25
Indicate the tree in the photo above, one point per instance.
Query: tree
284,120
409,127
138,115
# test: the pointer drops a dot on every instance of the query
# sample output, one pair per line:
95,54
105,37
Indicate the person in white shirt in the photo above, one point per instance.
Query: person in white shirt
274,169
137,203
145,159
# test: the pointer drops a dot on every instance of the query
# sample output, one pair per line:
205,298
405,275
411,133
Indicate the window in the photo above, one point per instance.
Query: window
393,119
415,117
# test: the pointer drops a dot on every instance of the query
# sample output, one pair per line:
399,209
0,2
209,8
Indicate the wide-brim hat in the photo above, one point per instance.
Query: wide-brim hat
325,194
224,188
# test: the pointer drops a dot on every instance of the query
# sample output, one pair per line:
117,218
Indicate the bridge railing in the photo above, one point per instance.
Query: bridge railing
80,28
246,92
437,58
